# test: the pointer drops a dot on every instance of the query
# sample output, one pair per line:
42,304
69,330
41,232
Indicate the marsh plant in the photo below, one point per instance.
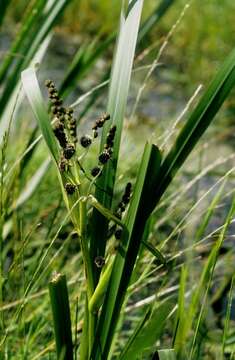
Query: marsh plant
112,237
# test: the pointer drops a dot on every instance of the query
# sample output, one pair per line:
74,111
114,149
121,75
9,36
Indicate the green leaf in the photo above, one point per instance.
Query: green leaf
61,317
197,123
32,90
140,208
117,100
147,332
157,253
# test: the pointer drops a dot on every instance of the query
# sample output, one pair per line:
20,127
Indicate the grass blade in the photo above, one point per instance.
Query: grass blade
118,92
33,93
228,316
197,123
147,332
139,210
157,253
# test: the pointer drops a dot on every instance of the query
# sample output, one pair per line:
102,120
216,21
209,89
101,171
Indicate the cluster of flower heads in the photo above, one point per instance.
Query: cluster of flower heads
64,125
106,154
65,131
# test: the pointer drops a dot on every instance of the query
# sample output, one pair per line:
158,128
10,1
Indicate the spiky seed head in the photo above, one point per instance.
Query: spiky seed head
49,83
70,111
106,116
104,157
121,206
62,164
118,214
96,171
95,134
70,188
85,141
69,151
128,187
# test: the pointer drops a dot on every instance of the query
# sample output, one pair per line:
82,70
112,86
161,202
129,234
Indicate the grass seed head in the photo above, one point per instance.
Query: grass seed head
96,171
69,151
70,188
104,157
85,141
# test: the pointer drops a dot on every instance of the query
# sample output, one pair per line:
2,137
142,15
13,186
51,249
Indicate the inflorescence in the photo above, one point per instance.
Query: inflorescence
65,131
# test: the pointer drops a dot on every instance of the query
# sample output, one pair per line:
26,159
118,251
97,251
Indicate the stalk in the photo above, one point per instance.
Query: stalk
61,317
90,318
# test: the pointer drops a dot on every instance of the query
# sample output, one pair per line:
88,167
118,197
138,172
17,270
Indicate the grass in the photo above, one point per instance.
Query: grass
154,287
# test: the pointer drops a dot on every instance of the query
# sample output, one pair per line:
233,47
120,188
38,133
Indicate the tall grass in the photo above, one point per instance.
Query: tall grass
153,178
111,251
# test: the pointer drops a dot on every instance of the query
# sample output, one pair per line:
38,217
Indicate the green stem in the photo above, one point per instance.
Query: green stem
88,269
61,317
84,248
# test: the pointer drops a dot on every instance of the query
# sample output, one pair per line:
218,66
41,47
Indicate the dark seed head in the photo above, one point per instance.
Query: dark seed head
69,151
62,165
128,187
118,234
96,171
104,157
100,123
99,261
85,141
70,111
125,199
49,83
106,117
70,188
58,130
118,214
121,206
95,134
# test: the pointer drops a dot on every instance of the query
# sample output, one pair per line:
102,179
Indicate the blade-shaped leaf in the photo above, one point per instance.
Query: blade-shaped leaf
139,210
197,123
32,90
118,92
147,333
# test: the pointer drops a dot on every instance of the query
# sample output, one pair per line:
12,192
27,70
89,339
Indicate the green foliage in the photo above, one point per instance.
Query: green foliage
123,267
61,317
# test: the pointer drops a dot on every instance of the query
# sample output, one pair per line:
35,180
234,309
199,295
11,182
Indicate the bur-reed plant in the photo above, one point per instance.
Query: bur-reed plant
88,193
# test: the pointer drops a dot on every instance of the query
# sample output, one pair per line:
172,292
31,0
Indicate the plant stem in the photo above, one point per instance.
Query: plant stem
61,317
88,270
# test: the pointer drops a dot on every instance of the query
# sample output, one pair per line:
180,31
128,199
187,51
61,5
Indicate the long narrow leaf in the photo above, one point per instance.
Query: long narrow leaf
33,93
197,123
147,335
118,92
141,204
